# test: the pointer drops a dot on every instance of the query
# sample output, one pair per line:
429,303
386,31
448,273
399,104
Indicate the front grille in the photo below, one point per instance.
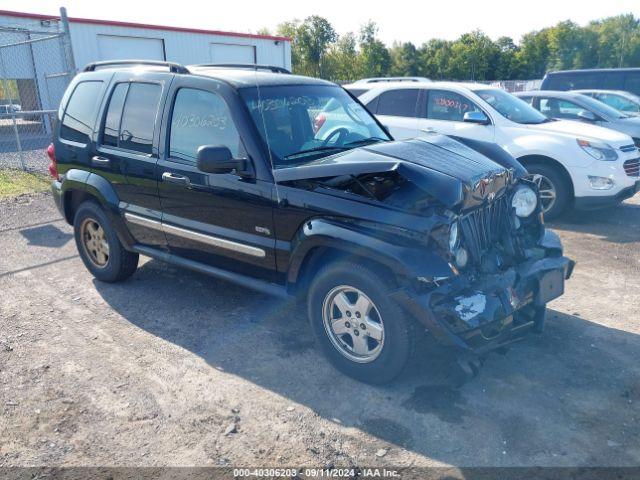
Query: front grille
632,167
481,228
628,148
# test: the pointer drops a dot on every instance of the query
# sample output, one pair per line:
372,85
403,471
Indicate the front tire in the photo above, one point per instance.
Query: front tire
100,248
555,192
360,330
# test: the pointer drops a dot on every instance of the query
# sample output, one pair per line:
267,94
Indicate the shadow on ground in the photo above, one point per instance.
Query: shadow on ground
620,224
567,397
46,236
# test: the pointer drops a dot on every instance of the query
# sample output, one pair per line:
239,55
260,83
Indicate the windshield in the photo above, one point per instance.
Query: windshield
511,107
602,109
299,123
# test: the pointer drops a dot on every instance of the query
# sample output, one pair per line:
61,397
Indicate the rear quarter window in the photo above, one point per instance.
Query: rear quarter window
81,111
399,103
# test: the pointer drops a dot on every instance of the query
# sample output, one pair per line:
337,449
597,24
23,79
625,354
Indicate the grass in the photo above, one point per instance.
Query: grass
17,182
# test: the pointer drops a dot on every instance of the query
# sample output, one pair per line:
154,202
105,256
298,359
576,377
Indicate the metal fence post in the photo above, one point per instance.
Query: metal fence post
66,40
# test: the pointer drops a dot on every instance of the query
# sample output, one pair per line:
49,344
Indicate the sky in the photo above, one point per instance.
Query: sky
415,21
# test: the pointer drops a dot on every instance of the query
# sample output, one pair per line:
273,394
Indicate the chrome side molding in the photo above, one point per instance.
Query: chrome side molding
195,236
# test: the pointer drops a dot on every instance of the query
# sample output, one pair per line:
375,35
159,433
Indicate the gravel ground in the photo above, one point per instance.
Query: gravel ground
34,160
174,368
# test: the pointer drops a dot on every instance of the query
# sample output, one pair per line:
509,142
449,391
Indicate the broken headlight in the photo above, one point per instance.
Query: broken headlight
453,237
524,201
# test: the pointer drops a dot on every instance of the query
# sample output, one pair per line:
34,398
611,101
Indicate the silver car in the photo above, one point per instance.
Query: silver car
576,106
626,102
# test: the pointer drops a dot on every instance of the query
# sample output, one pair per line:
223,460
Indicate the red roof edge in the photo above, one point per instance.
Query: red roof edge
114,23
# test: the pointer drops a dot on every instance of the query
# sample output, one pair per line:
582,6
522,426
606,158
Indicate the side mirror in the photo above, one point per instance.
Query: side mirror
218,159
476,117
587,116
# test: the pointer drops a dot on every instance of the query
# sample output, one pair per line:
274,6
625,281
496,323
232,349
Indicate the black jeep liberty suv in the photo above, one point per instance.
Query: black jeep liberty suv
287,185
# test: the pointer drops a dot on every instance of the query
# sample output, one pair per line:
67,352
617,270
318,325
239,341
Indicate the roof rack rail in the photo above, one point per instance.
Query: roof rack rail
172,66
392,79
248,66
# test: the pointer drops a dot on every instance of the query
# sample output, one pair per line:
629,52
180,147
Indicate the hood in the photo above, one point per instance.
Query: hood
583,130
630,126
450,172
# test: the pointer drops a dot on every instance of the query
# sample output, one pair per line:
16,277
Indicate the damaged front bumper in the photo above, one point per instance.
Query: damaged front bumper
493,310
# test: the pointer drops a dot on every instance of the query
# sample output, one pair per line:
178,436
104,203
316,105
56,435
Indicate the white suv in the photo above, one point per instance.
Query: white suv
572,163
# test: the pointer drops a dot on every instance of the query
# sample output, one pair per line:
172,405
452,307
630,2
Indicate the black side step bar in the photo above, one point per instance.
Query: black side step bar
243,280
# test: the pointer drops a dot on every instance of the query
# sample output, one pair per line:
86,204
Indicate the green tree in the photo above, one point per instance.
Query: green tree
473,56
405,60
342,59
290,29
314,36
434,59
374,57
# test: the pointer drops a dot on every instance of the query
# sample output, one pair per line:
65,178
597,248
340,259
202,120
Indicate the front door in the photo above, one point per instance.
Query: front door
223,220
444,114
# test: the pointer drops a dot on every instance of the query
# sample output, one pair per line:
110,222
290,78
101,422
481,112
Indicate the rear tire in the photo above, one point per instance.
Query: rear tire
377,337
546,176
100,248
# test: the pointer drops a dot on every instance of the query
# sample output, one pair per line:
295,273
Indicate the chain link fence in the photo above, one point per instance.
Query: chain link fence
36,65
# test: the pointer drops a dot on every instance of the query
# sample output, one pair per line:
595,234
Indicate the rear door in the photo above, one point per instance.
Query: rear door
444,113
398,111
223,220
127,152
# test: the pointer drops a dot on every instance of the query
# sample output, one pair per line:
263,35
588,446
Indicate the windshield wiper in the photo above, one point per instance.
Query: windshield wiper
365,141
314,150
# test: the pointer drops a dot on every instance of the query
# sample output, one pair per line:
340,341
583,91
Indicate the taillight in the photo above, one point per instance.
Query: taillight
53,166
318,122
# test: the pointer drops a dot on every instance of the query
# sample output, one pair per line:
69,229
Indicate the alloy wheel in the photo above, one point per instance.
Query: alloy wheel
547,191
353,323
94,242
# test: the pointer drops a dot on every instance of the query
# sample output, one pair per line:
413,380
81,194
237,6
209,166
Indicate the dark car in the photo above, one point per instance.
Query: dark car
627,79
219,169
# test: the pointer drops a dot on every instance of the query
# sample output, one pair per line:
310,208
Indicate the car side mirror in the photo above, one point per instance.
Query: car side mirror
587,116
218,159
476,117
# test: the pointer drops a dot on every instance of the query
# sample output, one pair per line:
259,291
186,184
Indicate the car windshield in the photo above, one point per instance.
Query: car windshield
511,107
299,123
602,109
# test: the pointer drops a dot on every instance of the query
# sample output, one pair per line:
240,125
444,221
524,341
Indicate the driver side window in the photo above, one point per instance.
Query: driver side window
201,118
451,106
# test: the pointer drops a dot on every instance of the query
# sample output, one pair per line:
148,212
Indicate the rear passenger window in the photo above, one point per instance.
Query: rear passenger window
80,114
114,115
399,103
131,116
139,117
201,118
451,106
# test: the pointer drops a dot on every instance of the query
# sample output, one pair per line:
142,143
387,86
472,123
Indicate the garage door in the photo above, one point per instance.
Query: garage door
114,47
230,53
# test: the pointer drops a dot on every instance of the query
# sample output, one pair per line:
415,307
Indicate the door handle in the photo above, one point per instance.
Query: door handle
99,160
174,178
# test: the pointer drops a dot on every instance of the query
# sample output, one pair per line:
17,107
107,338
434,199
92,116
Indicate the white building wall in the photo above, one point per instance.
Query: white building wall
41,61
181,47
